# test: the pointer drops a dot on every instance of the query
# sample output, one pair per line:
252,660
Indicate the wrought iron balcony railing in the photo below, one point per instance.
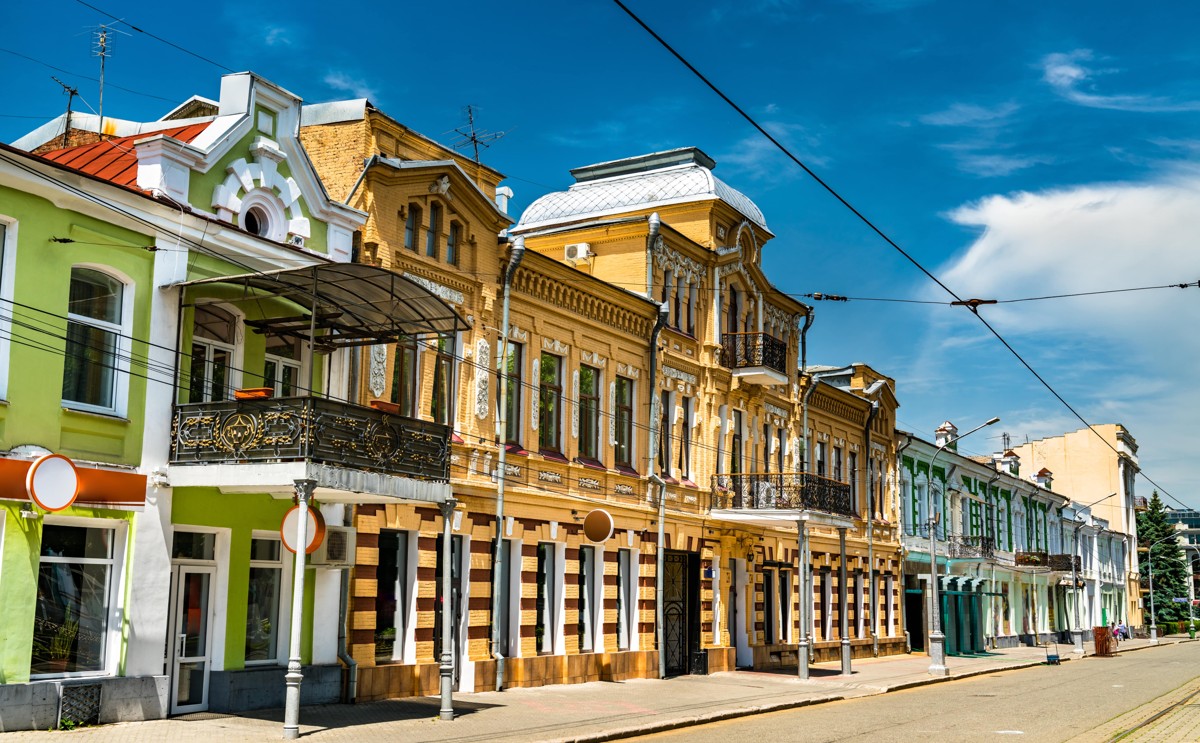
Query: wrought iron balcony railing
741,350
1064,562
782,490
961,547
1035,559
289,429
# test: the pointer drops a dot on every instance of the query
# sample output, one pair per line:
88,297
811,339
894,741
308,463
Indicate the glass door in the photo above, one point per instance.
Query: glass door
191,623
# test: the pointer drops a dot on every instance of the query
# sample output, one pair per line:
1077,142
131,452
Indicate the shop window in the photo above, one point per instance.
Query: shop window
74,596
212,363
262,600
93,353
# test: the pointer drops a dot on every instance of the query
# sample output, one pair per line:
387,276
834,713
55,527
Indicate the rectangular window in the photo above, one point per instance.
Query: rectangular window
735,449
393,596
513,366
779,450
852,464
664,435
691,313
547,599
432,230
441,402
70,624
281,367
404,377
504,605
770,615
453,240
623,450
785,606
550,404
685,440
412,227
766,448
625,579
826,604
94,309
587,593
820,458
837,464
677,305
589,413
262,600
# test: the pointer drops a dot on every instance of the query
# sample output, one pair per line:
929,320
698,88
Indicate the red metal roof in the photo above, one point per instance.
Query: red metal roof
115,159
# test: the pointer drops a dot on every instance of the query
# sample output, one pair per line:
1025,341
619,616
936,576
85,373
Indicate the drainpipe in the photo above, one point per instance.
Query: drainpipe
651,238
655,418
343,655
361,176
516,253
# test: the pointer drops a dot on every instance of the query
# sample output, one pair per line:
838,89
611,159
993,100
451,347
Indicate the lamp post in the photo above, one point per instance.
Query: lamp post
1150,562
1077,633
937,640
1191,590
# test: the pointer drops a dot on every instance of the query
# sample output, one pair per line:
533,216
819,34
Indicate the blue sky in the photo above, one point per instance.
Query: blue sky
1015,150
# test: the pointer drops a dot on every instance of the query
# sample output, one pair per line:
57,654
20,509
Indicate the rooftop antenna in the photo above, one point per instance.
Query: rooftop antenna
469,135
1007,441
71,93
102,48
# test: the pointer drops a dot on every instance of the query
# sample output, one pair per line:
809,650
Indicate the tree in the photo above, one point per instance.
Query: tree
1165,558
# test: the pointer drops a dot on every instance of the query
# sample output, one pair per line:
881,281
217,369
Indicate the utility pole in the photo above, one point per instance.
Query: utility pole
71,93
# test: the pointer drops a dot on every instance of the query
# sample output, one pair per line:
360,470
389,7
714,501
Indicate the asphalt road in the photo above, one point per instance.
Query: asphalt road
1092,699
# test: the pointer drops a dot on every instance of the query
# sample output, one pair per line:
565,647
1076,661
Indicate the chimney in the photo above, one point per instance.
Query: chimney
503,194
1044,478
944,433
1008,463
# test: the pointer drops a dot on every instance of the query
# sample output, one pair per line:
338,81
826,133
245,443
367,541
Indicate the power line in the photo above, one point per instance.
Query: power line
83,77
871,225
155,36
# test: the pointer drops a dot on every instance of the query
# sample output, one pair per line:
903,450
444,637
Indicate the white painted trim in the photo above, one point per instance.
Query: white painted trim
285,597
8,266
560,581
124,332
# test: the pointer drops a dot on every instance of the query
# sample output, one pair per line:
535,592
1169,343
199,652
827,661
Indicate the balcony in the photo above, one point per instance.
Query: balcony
1032,559
1064,563
345,447
757,358
782,491
968,548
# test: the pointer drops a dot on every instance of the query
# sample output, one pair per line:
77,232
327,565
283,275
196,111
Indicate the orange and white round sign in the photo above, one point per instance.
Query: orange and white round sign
315,530
52,482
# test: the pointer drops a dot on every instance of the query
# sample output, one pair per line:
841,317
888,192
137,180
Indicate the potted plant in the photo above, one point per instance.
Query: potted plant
62,642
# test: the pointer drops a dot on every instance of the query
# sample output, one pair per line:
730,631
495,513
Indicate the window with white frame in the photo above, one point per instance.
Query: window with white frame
75,596
820,458
394,596
623,446
626,578
547,598
685,440
8,244
441,402
587,596
550,404
95,311
405,380
263,600
589,413
281,365
213,345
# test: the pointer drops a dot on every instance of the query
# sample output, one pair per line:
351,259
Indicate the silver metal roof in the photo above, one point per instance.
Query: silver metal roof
646,181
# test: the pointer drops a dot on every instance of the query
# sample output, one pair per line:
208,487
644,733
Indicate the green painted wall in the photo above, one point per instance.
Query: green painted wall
201,186
19,579
42,276
242,514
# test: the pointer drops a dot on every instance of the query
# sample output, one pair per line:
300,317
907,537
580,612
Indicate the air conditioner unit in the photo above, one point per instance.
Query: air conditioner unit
577,252
337,549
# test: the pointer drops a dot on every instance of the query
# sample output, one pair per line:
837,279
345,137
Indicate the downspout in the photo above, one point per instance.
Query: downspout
655,419
651,239
871,531
351,664
361,176
516,253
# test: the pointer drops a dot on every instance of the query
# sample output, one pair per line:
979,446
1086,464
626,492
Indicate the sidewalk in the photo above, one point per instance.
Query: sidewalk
579,712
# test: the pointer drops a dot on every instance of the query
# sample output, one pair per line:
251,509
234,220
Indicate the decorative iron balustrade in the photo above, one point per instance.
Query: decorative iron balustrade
741,350
288,429
782,490
961,547
1064,562
1034,559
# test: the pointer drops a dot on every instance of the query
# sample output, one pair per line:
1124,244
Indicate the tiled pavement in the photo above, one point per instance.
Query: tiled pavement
580,712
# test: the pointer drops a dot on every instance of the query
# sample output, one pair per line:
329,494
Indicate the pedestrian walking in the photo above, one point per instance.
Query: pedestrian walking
1122,630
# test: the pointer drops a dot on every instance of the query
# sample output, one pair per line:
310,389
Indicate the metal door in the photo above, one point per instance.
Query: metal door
191,624
675,612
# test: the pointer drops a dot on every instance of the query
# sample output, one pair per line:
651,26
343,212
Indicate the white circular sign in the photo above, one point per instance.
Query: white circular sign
315,531
52,482
598,525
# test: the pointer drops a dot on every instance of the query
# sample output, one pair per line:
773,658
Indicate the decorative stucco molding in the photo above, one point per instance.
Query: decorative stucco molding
444,292
628,371
378,372
555,346
593,359
483,356
673,373
669,258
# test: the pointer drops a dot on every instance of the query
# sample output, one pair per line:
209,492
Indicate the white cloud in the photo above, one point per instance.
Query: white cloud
1073,80
991,165
356,87
970,114
754,157
278,36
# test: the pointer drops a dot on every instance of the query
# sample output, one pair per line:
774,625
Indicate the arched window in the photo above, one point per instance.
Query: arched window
95,312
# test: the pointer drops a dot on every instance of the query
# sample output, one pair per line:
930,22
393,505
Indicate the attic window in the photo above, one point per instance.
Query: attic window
263,215
257,221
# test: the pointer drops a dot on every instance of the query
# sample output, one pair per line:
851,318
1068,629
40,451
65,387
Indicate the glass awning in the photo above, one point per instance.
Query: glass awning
346,304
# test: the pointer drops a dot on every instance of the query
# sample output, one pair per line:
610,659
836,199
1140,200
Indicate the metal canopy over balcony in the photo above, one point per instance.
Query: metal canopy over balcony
346,304
772,497
757,358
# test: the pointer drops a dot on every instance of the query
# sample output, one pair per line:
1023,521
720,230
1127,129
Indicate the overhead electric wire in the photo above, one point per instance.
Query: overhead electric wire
156,37
871,225
82,77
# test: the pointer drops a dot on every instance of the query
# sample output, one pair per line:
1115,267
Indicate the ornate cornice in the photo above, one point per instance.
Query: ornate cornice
665,257
580,303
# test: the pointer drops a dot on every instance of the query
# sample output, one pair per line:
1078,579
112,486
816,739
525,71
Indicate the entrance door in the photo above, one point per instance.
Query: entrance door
738,626
191,622
675,612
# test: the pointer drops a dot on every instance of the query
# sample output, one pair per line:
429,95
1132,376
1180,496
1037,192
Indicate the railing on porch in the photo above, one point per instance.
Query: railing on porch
741,350
288,429
1034,559
782,490
1064,562
961,547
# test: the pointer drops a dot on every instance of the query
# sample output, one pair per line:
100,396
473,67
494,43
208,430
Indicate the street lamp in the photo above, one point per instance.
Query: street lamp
1077,633
1150,561
937,640
1191,589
